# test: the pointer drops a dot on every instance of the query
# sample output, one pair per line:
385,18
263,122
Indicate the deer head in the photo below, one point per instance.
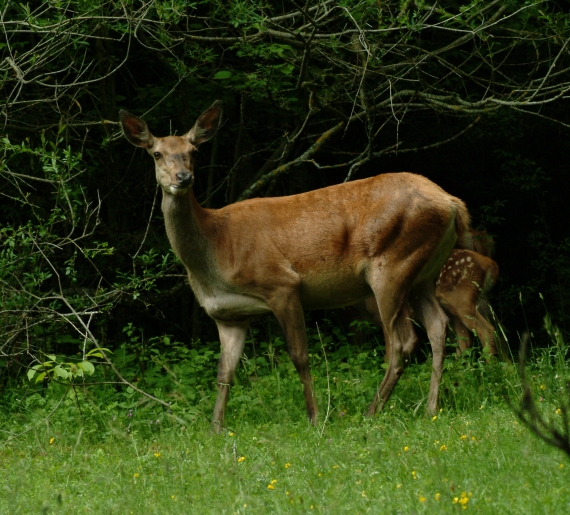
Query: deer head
173,156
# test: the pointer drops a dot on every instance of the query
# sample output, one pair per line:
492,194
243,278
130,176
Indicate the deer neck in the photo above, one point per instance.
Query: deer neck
189,230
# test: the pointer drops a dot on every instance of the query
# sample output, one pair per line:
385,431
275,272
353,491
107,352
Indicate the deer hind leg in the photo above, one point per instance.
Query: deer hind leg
467,320
289,313
399,332
477,324
232,339
464,335
431,315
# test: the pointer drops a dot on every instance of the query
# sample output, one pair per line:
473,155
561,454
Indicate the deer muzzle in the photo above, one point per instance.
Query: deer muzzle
184,179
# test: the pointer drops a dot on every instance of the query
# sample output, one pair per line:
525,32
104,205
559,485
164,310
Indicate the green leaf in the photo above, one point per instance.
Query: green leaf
224,74
40,377
31,374
60,372
97,352
87,366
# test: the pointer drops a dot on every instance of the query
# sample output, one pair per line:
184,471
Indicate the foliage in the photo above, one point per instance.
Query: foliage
314,95
111,450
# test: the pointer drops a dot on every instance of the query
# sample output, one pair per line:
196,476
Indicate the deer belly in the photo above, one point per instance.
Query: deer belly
324,291
233,306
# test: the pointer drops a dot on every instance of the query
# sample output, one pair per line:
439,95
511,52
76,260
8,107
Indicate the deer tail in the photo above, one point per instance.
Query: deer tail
462,221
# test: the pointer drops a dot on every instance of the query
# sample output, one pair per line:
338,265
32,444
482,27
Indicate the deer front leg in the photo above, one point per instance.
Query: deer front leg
289,313
232,339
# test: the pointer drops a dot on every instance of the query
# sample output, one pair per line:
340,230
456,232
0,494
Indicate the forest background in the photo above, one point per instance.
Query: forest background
472,95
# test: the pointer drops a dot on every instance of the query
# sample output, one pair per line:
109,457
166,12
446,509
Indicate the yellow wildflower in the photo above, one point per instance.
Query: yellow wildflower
172,497
136,474
443,448
271,487
273,481
463,499
561,466
157,455
232,434
422,498
287,465
406,448
463,437
434,418
558,411
399,485
473,438
543,387
51,440
241,459
414,475
437,496
335,466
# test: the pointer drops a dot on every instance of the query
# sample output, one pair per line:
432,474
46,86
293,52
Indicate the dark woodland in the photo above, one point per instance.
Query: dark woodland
474,96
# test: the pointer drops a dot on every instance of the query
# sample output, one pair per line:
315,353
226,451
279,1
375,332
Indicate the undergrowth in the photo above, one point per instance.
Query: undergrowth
105,449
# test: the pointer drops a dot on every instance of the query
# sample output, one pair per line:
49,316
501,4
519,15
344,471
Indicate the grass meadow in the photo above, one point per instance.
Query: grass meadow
105,450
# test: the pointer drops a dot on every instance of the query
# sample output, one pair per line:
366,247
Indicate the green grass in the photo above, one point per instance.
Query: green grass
109,458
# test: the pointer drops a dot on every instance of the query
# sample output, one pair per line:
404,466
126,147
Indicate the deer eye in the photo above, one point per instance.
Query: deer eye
157,155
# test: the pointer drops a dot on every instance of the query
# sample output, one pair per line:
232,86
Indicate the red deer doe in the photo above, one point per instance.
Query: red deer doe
461,289
386,236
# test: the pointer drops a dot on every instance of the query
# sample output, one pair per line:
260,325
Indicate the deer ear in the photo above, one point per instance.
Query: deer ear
206,125
135,130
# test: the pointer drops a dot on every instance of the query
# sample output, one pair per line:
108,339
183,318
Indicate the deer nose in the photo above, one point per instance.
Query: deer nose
185,179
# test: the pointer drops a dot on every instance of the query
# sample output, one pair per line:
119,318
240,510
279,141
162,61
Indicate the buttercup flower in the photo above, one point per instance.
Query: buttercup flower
241,459
422,498
463,500
287,465
437,496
